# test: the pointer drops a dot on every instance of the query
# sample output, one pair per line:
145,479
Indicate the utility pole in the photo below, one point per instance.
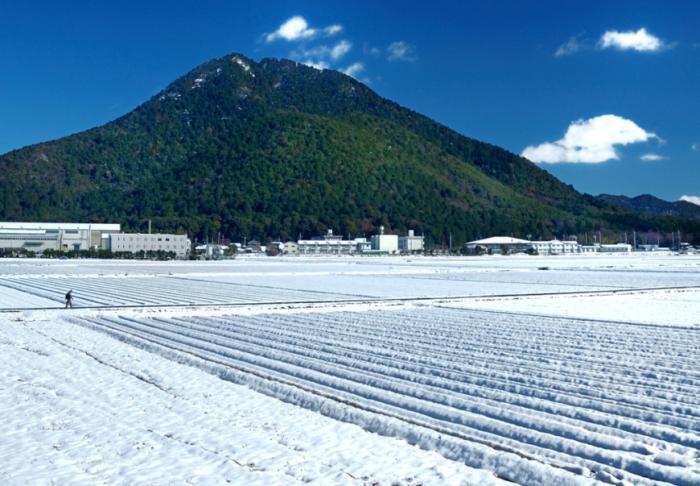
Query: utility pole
634,236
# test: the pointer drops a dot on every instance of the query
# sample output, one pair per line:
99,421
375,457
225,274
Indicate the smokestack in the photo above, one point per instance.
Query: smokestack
149,226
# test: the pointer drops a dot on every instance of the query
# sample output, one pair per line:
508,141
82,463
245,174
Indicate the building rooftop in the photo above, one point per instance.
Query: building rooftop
499,240
59,226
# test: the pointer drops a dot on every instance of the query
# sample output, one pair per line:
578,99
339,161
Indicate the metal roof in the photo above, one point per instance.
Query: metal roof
59,226
500,240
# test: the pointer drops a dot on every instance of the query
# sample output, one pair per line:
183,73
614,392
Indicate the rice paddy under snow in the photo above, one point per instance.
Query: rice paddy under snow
533,370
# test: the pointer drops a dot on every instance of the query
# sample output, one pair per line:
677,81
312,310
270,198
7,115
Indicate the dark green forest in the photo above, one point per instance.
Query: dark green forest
278,149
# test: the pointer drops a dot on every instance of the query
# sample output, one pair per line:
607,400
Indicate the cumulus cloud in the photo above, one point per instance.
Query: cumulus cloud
652,157
571,46
589,141
401,51
354,69
297,28
690,199
294,28
640,40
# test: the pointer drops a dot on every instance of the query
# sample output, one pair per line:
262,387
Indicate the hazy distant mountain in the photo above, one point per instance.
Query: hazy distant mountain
647,203
276,148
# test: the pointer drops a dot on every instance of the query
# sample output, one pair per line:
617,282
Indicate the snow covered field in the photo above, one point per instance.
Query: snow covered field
534,370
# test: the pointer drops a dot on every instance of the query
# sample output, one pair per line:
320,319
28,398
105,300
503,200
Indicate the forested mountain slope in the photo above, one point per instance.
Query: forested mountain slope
277,149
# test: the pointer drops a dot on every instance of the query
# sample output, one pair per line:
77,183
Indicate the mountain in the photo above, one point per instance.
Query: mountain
646,203
277,149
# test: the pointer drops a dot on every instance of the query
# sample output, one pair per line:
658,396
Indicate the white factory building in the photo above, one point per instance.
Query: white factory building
327,247
136,242
498,244
616,248
555,247
411,243
330,244
38,237
507,244
384,243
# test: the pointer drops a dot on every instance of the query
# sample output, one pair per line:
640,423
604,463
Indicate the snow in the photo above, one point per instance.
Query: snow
534,370
657,307
243,64
79,407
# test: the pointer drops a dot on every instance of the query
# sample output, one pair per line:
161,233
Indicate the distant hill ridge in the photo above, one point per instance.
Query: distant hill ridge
277,149
646,203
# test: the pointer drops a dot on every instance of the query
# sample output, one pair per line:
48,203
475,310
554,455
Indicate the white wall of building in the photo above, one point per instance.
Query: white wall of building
388,243
39,237
555,247
326,247
616,248
411,243
135,242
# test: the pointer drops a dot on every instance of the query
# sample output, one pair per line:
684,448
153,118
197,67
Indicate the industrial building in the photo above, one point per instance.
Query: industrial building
136,242
330,244
411,243
498,244
330,247
384,243
380,244
616,248
39,237
507,244
554,247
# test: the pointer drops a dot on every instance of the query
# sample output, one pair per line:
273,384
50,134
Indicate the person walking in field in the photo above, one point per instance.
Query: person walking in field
69,299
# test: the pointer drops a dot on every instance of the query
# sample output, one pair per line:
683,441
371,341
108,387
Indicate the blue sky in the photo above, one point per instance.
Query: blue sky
605,95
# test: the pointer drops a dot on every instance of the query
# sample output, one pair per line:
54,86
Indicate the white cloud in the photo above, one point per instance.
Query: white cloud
320,65
333,29
321,56
297,28
294,28
589,141
690,199
641,41
354,69
323,51
652,157
340,49
572,46
369,50
401,51
695,147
